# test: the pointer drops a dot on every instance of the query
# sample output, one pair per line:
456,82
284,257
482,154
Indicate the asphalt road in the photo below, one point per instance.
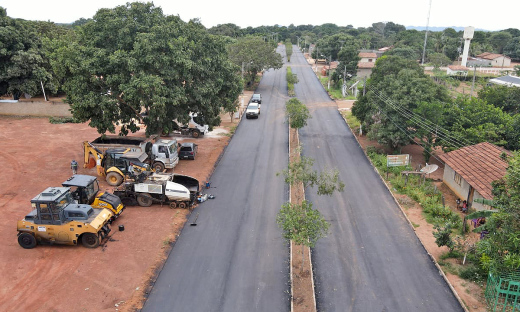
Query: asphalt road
235,258
371,260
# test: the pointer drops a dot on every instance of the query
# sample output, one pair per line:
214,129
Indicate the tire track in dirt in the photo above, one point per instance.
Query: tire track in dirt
8,189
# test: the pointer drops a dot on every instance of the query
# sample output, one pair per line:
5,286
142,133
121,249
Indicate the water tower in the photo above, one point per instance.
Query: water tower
468,35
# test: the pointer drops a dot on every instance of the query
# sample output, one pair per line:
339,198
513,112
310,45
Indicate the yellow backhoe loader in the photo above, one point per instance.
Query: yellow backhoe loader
117,165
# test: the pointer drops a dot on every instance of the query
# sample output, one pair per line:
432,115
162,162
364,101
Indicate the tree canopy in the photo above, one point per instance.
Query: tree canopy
134,59
254,55
500,250
396,87
23,64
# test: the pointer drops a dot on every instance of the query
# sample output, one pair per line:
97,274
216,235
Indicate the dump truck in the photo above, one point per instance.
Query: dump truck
173,189
85,190
57,218
117,165
162,153
195,127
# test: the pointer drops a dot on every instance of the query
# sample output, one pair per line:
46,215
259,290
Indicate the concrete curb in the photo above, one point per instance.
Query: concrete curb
441,272
290,243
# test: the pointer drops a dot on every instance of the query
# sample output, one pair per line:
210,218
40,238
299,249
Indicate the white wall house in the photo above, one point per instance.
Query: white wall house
469,171
366,63
495,60
457,70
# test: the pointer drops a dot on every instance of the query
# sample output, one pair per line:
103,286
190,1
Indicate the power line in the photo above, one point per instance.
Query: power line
423,122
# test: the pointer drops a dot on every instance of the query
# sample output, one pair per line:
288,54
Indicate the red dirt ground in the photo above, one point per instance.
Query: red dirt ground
36,154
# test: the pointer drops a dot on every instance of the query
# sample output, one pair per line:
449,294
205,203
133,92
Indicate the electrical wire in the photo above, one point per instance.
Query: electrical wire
463,145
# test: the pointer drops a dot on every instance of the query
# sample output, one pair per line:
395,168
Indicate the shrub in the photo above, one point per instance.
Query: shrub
473,273
443,236
62,120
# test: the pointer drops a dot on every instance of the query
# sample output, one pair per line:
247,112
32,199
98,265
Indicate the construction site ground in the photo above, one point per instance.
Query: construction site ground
35,155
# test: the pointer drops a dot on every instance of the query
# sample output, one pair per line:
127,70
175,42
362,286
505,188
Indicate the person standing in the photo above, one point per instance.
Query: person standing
464,206
74,166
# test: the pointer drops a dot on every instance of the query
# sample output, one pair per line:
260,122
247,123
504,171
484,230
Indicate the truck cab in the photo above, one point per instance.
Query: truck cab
164,154
85,190
57,218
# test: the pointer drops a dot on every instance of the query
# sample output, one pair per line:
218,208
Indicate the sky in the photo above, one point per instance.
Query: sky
480,14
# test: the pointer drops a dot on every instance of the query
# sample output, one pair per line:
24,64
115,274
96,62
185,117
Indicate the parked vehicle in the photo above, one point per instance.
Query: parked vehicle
56,218
85,190
256,98
188,151
162,153
252,110
117,165
195,127
176,190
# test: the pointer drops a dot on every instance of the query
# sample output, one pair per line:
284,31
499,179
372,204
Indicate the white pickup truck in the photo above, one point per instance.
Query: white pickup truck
252,110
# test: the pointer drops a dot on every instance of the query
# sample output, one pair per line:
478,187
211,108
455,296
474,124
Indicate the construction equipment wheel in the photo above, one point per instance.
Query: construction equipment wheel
144,200
158,167
114,179
173,205
195,133
182,205
90,240
27,240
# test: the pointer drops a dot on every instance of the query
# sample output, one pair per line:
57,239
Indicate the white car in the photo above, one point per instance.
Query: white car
253,110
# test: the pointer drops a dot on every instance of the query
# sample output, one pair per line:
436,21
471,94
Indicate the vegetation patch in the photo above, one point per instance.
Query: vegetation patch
62,120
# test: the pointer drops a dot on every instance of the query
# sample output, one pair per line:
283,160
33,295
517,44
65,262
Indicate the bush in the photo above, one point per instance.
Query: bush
62,120
473,273
443,236
291,80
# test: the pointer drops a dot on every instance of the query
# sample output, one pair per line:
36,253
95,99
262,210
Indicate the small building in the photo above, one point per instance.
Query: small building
366,63
494,60
457,70
326,68
469,171
510,81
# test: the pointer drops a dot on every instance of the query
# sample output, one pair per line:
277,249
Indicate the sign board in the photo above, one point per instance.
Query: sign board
397,160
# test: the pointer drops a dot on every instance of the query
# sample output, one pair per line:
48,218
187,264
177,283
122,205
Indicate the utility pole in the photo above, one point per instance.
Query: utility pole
328,74
473,84
426,34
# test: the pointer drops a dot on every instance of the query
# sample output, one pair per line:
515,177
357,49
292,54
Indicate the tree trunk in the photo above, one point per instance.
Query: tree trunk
303,257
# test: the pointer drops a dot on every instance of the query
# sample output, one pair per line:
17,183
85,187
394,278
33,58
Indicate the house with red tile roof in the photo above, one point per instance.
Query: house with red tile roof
469,171
491,59
457,70
366,63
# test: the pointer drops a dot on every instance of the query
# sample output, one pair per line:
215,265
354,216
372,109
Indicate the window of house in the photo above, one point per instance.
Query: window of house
370,60
457,178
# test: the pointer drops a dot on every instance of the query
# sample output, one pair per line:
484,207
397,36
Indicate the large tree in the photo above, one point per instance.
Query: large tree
500,250
23,67
348,58
396,88
504,97
473,120
254,55
512,48
134,59
499,40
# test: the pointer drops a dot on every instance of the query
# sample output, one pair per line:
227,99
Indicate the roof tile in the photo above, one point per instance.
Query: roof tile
479,165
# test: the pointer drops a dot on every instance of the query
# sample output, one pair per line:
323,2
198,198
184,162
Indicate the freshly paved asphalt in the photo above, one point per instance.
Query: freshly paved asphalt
235,259
371,260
